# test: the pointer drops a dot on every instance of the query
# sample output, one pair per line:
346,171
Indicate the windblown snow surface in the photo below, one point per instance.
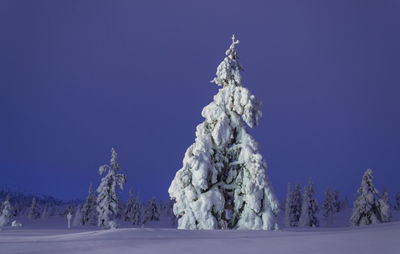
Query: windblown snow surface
382,239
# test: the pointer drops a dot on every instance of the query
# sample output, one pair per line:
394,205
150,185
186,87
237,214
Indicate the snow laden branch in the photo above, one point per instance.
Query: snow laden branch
107,199
223,183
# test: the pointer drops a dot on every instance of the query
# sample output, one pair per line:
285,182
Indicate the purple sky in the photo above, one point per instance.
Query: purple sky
77,77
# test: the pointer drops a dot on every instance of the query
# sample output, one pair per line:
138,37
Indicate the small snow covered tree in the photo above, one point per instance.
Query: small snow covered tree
366,206
327,207
34,210
397,205
136,215
128,212
286,219
168,207
309,207
295,206
89,211
151,212
385,207
336,201
6,212
107,199
223,183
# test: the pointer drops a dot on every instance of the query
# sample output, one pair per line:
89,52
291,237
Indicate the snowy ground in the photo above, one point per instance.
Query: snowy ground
51,238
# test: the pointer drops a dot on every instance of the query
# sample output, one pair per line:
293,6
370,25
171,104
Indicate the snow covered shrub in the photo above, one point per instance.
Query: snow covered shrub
309,207
6,212
366,209
295,206
107,199
15,223
222,183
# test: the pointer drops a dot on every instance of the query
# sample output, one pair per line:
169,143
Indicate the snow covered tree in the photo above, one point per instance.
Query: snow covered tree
336,201
385,207
345,203
327,206
168,207
295,206
34,210
397,205
107,199
128,212
89,211
6,212
151,212
136,215
366,206
286,219
309,207
222,183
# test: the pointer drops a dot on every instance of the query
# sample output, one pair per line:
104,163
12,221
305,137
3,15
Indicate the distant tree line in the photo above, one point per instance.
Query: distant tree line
102,207
369,206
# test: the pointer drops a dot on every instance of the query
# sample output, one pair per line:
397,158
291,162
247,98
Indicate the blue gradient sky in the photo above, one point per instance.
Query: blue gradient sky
77,77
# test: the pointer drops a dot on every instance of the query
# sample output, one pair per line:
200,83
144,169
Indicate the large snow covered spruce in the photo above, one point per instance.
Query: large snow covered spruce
222,183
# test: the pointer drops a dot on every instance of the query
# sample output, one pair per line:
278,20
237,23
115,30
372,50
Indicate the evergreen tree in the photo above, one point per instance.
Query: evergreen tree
107,200
345,203
336,201
366,207
286,220
222,183
168,207
128,213
34,210
295,206
397,205
385,207
309,207
327,207
151,212
6,212
136,217
89,212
